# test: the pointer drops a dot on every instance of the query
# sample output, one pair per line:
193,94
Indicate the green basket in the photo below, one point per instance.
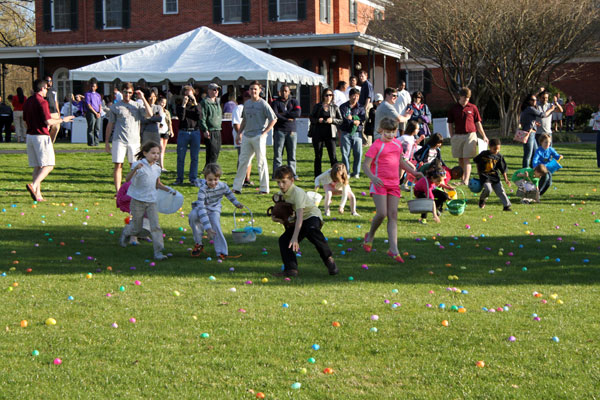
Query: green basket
457,207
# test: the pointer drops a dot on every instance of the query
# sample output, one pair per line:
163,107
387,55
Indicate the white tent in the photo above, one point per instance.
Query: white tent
202,55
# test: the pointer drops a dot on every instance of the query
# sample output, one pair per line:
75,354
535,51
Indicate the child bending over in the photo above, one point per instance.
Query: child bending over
336,181
527,181
308,225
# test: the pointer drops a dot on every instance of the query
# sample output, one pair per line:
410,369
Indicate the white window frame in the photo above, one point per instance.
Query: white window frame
223,15
52,21
327,17
63,86
170,12
106,27
409,86
353,6
287,19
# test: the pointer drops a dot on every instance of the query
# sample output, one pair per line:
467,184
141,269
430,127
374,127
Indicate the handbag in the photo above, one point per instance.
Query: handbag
521,136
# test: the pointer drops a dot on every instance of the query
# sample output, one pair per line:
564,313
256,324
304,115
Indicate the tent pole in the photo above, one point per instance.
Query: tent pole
267,91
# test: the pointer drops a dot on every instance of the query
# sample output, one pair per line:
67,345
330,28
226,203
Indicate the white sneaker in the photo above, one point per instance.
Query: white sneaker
160,256
327,213
123,239
355,214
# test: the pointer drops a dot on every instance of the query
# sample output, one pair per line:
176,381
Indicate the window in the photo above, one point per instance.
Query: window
60,15
64,86
353,6
113,14
325,11
415,81
287,10
170,7
231,11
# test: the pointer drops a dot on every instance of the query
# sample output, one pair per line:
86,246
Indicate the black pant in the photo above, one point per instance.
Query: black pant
213,147
439,197
311,229
93,130
318,146
5,125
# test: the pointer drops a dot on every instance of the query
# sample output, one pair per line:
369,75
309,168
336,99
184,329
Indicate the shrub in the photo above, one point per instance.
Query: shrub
583,113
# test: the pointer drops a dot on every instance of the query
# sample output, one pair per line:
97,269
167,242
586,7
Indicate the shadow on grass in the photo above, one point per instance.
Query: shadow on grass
469,258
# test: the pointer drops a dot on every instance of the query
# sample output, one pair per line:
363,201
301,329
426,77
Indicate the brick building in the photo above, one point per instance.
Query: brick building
324,36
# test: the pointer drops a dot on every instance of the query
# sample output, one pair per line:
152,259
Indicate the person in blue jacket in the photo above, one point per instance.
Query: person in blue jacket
543,155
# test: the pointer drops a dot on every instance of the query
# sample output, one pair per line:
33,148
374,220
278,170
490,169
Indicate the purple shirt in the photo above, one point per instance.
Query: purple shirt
94,99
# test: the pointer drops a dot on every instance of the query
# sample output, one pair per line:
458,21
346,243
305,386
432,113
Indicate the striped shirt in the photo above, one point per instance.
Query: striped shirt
209,200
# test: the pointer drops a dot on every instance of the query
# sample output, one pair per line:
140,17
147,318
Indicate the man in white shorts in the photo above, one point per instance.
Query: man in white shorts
40,151
125,117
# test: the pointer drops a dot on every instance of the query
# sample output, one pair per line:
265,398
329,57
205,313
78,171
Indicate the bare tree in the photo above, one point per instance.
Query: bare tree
17,19
498,48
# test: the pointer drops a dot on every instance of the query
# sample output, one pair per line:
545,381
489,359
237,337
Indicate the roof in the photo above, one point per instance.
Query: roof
202,55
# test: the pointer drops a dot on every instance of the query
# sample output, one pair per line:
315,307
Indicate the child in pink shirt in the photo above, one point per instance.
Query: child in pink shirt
382,166
424,189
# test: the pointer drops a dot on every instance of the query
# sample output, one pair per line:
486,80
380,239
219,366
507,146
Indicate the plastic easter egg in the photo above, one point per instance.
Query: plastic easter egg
88,275
373,329
462,310
57,361
336,324
374,317
315,346
264,280
442,306
121,288
303,371
35,353
24,323
512,339
212,278
115,325
480,364
50,321
176,293
296,385
137,283
324,302
285,305
555,339
260,395
311,360
328,371
70,298
350,278
454,308
204,335
445,323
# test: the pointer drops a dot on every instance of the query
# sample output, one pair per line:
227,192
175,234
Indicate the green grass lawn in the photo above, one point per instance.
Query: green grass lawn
255,344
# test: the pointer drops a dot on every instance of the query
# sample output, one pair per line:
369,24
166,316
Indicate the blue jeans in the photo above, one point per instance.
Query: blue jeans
354,143
528,149
545,183
185,139
289,140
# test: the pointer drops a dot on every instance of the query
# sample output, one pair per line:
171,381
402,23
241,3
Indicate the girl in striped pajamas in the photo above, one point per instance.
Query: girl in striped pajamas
206,211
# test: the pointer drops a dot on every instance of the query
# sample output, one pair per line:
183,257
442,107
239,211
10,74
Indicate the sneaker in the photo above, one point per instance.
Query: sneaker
355,176
331,267
286,273
197,250
123,239
367,246
327,213
236,192
355,214
481,203
396,257
507,208
248,183
423,221
178,182
160,256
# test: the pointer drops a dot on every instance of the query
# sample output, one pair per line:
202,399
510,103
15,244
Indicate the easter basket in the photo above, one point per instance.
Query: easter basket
420,206
553,166
457,206
244,235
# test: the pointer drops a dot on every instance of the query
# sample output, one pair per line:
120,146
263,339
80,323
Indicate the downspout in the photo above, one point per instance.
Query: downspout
260,17
85,32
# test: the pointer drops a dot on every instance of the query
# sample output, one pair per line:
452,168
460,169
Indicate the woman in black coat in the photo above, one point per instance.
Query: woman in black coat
325,119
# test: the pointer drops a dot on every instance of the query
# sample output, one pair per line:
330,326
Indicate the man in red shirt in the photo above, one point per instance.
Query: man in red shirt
464,122
40,151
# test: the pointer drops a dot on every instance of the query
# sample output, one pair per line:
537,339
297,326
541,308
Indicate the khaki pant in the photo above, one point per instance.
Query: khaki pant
135,226
251,146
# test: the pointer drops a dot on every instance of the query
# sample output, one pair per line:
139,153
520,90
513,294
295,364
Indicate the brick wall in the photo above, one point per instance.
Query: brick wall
149,23
581,80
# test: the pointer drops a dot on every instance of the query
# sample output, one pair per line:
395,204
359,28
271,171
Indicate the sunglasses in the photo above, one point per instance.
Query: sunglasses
127,92
328,95
394,96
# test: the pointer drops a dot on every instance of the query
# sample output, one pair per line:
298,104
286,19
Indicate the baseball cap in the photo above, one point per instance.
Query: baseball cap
378,97
214,86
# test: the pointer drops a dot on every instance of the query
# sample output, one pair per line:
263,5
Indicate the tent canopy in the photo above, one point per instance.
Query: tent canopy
202,55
